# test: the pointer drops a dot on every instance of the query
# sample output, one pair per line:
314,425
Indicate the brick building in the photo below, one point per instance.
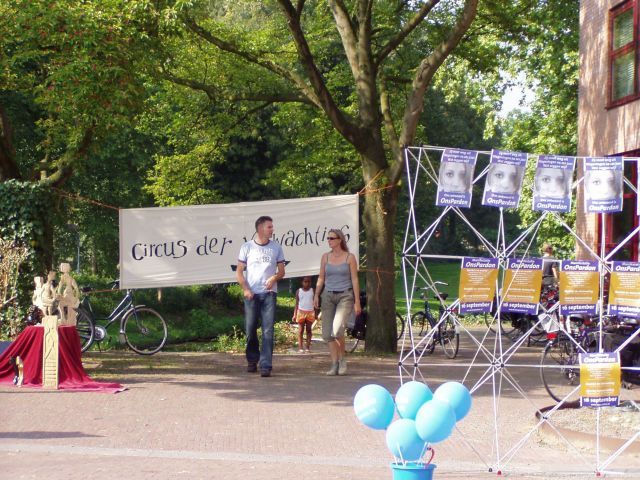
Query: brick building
609,111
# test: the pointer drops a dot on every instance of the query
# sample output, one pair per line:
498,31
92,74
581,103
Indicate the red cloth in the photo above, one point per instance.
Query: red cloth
71,374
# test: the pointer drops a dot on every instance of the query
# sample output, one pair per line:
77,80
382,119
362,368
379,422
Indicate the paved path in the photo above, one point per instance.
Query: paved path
200,415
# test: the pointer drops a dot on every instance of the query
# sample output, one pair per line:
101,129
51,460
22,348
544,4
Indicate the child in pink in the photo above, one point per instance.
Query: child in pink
304,313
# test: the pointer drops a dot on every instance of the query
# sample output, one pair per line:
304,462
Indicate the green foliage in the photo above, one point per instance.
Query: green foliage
24,213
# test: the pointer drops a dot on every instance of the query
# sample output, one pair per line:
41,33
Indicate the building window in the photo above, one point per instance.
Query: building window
623,53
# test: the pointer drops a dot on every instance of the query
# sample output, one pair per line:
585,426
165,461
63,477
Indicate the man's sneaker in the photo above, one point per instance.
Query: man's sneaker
265,373
342,367
252,367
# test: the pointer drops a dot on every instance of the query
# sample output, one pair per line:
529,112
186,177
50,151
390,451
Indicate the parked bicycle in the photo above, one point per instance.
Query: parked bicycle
357,329
141,328
515,325
559,365
444,328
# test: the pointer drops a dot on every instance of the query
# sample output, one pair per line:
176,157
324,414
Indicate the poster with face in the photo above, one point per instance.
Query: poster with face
504,179
552,183
455,178
603,184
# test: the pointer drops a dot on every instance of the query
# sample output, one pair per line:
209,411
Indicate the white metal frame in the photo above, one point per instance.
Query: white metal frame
497,359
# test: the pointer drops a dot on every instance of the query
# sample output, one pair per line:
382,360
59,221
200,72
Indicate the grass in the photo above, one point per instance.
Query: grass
202,325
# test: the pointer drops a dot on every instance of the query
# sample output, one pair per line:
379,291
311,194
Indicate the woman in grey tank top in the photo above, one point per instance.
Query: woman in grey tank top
338,283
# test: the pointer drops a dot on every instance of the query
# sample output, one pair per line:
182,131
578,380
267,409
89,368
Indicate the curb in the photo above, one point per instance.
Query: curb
610,444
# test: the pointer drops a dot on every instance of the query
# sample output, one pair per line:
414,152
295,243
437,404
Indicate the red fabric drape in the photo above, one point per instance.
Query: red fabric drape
71,374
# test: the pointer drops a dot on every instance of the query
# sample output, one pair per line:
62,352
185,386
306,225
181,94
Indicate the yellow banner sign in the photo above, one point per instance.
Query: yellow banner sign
600,378
477,284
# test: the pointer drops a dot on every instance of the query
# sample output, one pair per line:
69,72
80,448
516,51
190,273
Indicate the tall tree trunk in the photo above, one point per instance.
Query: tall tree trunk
379,219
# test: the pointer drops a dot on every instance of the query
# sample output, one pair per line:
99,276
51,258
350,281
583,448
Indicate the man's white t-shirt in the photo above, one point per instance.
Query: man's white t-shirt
262,263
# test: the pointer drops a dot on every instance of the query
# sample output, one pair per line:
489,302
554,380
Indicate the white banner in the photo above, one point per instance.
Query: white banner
164,247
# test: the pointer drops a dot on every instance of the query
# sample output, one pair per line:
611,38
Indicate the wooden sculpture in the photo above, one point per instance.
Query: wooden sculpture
50,352
68,296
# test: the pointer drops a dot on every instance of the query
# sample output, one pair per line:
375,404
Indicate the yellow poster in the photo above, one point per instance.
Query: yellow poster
600,378
477,286
521,285
623,289
579,287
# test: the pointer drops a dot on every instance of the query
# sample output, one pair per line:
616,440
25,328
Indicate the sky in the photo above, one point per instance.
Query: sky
513,95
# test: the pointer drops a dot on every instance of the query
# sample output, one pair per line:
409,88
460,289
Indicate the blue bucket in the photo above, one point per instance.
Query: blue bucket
412,471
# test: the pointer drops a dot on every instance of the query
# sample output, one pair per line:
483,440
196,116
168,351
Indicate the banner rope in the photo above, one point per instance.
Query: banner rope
75,196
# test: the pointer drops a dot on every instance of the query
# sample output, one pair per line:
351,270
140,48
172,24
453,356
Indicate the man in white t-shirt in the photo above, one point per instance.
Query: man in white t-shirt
263,261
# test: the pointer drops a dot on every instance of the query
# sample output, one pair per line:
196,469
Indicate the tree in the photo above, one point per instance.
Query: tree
361,66
71,76
548,58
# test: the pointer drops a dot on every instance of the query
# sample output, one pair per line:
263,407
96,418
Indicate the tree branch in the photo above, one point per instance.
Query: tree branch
299,7
214,95
66,162
347,33
409,27
273,67
343,124
210,90
423,76
8,166
388,121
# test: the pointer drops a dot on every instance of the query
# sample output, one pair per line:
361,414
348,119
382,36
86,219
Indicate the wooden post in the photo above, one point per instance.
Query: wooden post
50,344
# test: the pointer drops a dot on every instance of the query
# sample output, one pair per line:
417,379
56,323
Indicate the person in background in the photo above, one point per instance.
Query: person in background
263,261
549,266
304,314
338,283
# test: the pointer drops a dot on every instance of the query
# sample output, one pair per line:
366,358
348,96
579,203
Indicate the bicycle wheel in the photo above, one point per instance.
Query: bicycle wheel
420,322
449,337
560,371
145,331
508,323
86,329
490,321
538,335
399,326
351,343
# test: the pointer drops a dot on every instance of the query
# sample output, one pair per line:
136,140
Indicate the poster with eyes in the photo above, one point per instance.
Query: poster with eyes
603,184
455,179
504,179
552,183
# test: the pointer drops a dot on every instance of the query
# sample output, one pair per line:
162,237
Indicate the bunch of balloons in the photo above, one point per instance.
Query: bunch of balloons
425,417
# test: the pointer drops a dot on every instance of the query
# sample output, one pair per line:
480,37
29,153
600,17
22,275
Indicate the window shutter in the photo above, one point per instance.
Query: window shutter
623,72
623,29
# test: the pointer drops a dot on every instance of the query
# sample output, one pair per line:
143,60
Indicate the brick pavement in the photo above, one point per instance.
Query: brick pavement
199,415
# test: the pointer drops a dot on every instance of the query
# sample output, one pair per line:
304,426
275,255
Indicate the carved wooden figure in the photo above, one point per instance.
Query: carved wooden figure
36,298
68,295
49,297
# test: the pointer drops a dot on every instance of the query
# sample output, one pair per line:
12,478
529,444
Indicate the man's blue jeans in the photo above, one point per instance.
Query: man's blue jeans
261,307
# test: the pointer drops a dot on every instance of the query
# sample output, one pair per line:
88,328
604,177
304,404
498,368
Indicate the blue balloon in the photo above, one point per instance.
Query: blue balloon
403,440
374,406
456,395
435,421
410,397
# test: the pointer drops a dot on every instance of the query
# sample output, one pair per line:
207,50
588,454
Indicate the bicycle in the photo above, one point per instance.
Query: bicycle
515,325
356,333
141,328
447,332
559,364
